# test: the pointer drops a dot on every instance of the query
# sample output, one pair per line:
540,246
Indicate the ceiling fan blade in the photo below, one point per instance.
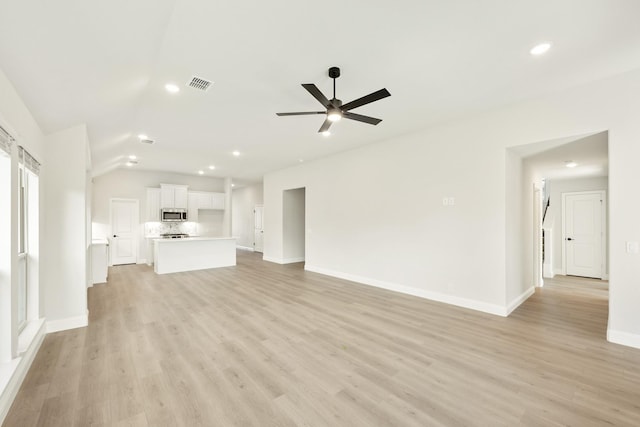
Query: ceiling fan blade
313,90
301,113
325,126
361,118
382,93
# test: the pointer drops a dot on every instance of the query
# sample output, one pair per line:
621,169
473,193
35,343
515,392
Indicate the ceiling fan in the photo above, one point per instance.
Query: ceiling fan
335,110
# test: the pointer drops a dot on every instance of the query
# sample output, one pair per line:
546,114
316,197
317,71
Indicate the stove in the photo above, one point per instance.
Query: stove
174,235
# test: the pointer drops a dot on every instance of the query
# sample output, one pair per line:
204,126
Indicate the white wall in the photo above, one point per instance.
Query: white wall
64,258
375,214
293,231
243,201
557,187
133,184
519,223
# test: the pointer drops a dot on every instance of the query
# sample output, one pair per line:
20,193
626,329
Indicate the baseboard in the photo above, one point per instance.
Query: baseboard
557,271
68,323
623,338
141,261
244,248
15,371
520,299
284,260
430,295
547,271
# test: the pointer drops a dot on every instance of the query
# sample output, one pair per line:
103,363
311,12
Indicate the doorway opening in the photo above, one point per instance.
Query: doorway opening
293,227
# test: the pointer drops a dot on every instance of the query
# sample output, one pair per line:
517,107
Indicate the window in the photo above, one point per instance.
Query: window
28,170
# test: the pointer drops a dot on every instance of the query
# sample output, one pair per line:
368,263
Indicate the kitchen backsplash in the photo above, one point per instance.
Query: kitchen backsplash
158,228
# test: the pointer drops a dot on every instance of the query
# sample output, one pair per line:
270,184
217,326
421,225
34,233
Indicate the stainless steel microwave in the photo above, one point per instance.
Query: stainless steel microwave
173,215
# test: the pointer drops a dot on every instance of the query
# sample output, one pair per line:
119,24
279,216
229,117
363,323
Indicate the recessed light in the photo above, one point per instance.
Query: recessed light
143,136
133,157
570,164
211,167
171,88
200,172
301,160
326,133
236,153
233,185
540,49
129,164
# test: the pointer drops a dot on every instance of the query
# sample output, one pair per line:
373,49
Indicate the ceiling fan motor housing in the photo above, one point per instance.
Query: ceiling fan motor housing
334,72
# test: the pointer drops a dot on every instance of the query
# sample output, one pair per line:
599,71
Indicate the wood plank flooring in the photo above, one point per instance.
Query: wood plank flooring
261,344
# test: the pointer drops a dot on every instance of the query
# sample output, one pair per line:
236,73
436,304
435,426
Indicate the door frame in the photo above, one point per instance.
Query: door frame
538,277
603,229
254,228
135,229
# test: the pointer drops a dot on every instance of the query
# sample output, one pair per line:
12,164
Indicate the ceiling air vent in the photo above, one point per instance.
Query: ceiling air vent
147,141
199,83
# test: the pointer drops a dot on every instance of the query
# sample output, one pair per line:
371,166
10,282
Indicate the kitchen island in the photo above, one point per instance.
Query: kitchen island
193,253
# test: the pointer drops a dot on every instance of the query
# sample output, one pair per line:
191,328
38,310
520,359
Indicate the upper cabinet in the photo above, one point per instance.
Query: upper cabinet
153,204
173,196
204,200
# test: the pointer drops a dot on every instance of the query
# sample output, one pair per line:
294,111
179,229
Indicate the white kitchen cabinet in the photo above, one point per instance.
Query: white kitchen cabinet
153,204
203,200
99,260
192,206
173,196
218,201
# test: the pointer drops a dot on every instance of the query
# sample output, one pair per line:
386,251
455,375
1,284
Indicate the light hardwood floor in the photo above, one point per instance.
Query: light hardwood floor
267,345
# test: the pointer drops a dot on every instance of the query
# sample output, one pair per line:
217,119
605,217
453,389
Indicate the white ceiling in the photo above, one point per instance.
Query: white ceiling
548,159
106,63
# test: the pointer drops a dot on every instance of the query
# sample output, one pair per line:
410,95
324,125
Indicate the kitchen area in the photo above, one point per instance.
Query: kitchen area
177,239
176,222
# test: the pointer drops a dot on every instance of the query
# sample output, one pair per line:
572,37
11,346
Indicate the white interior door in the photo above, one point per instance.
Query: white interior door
124,236
258,228
583,216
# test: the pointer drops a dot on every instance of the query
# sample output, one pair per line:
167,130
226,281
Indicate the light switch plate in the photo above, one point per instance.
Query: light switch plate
632,247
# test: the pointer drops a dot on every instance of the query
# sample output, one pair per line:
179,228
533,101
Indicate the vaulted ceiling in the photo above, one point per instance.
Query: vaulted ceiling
106,64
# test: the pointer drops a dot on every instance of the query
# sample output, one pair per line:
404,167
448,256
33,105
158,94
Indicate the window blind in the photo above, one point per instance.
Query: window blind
5,141
28,161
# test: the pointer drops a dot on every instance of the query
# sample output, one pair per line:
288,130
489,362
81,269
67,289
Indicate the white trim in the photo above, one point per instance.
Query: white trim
244,248
141,261
292,260
285,260
558,271
520,299
430,295
12,374
68,323
623,338
271,259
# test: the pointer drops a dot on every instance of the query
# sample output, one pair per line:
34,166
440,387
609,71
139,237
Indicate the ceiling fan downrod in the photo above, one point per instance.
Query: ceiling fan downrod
334,73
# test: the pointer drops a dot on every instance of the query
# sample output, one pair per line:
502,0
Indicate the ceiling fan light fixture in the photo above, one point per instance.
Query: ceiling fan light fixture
334,115
326,133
